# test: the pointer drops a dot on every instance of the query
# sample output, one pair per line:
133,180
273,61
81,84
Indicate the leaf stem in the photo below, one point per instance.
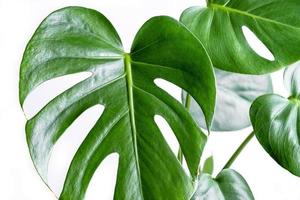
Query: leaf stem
187,106
239,150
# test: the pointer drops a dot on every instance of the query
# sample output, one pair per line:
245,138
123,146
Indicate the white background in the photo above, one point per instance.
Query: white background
18,178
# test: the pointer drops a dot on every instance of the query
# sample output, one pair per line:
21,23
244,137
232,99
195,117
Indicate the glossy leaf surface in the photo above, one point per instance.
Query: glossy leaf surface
276,23
235,94
276,123
228,185
76,39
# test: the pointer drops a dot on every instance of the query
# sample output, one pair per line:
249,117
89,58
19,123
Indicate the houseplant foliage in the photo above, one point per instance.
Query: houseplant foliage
229,184
76,39
235,94
276,120
219,27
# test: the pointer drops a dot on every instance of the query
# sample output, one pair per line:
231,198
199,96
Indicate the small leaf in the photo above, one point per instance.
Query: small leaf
275,120
228,185
208,166
235,93
76,39
276,23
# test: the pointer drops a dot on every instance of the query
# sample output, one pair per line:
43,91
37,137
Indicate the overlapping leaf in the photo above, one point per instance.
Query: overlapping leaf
228,185
77,39
235,94
219,26
275,120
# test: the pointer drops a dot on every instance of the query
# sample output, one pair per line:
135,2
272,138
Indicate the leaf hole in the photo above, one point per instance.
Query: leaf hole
185,166
196,112
104,179
169,87
257,45
167,133
50,89
67,145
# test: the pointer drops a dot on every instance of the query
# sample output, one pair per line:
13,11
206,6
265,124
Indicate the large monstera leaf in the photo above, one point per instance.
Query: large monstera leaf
76,39
235,94
228,185
219,26
276,123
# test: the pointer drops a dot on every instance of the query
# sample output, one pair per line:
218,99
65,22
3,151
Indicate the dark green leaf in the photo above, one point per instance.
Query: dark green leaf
77,39
219,26
235,93
275,120
228,185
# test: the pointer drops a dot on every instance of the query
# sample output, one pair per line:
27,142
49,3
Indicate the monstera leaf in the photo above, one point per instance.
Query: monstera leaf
235,94
276,123
219,26
228,185
76,39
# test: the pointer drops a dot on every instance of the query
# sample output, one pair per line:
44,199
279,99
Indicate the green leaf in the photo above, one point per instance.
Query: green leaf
208,166
275,120
76,39
228,185
235,94
219,26
292,80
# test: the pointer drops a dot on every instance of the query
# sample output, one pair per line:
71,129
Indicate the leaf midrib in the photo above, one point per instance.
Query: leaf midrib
129,80
233,10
